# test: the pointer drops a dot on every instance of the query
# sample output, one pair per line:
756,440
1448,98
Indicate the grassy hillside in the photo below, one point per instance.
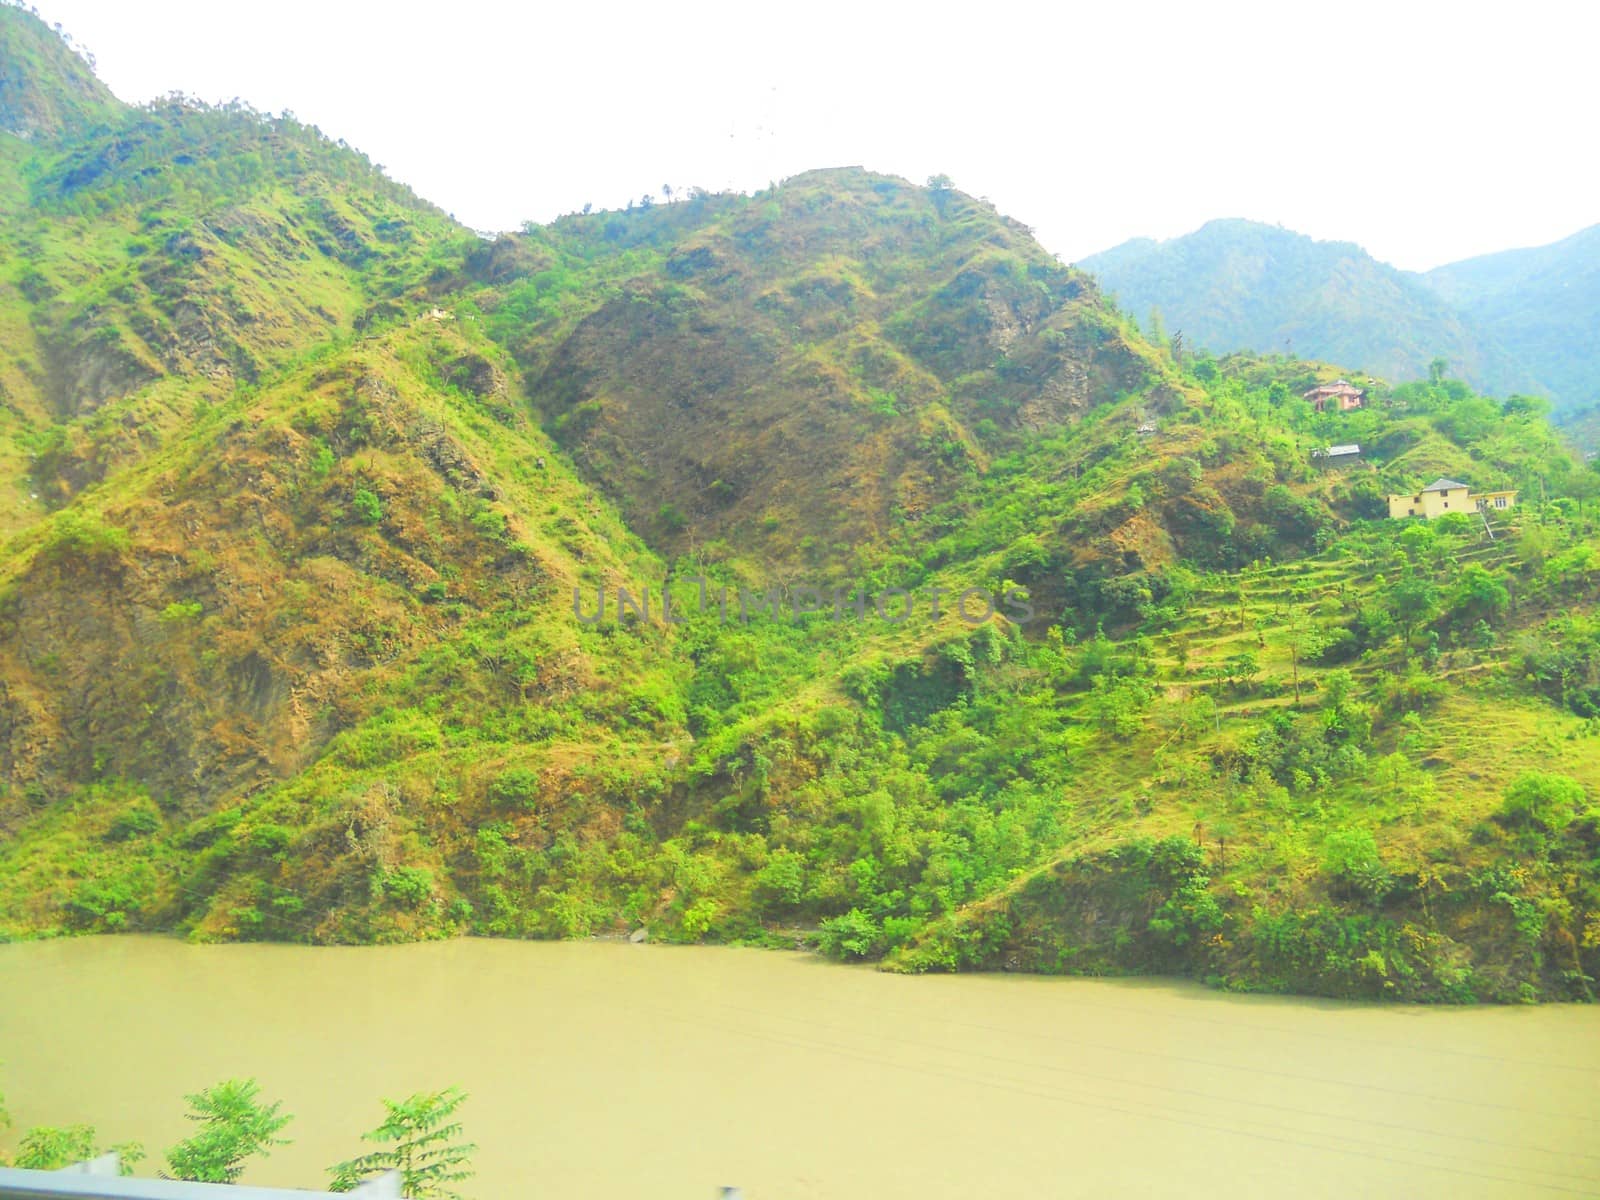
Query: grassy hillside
1000,636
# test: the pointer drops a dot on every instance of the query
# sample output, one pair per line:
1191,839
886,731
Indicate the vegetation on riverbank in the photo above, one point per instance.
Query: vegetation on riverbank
419,1138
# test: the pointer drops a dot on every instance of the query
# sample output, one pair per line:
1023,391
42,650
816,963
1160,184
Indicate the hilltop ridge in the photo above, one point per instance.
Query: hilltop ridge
47,89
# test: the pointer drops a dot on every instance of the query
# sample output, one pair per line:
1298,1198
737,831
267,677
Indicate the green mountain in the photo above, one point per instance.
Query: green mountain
1241,285
1542,305
336,539
48,89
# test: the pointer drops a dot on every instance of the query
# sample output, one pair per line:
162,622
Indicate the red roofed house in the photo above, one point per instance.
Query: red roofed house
1341,392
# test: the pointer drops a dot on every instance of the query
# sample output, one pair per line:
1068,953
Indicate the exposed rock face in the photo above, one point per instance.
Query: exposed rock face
709,400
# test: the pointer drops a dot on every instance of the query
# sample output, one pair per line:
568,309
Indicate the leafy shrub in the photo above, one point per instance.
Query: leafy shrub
1294,519
854,935
1563,662
782,881
1189,914
322,459
1479,595
234,1125
491,523
1350,856
699,917
411,887
270,839
390,737
518,787
98,904
88,534
47,1148
1542,801
367,505
1118,704
139,819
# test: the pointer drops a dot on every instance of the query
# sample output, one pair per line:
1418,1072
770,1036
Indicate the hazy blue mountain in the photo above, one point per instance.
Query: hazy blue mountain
1542,305
1235,284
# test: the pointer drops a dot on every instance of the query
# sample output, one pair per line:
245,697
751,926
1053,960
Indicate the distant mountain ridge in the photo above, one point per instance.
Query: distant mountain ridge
1508,323
1542,304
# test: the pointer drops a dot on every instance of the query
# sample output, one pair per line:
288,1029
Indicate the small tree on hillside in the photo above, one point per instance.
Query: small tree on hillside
1541,800
1306,639
234,1126
425,1148
1411,602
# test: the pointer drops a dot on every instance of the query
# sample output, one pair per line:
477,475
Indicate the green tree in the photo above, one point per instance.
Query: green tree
1547,801
234,1125
47,1148
1305,639
1410,602
1350,856
1582,486
1518,405
424,1148
1241,668
1118,705
1478,595
1156,327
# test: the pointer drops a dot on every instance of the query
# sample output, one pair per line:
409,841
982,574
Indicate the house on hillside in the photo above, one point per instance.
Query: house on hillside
1486,501
1341,393
1337,456
1447,496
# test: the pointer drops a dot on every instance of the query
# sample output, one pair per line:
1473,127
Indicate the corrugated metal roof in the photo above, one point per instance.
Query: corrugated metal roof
1443,485
1352,448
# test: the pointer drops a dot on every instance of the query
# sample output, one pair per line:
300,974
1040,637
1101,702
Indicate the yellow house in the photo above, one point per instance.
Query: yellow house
1447,496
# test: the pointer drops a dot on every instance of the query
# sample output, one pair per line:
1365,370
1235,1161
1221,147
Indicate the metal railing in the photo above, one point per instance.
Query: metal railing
98,1179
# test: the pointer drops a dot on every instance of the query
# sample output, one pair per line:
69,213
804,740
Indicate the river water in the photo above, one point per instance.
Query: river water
610,1070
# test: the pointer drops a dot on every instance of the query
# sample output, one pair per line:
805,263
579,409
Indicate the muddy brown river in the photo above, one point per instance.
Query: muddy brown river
610,1070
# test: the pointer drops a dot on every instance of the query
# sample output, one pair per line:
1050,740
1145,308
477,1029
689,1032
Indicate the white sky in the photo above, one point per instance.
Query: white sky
1426,132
